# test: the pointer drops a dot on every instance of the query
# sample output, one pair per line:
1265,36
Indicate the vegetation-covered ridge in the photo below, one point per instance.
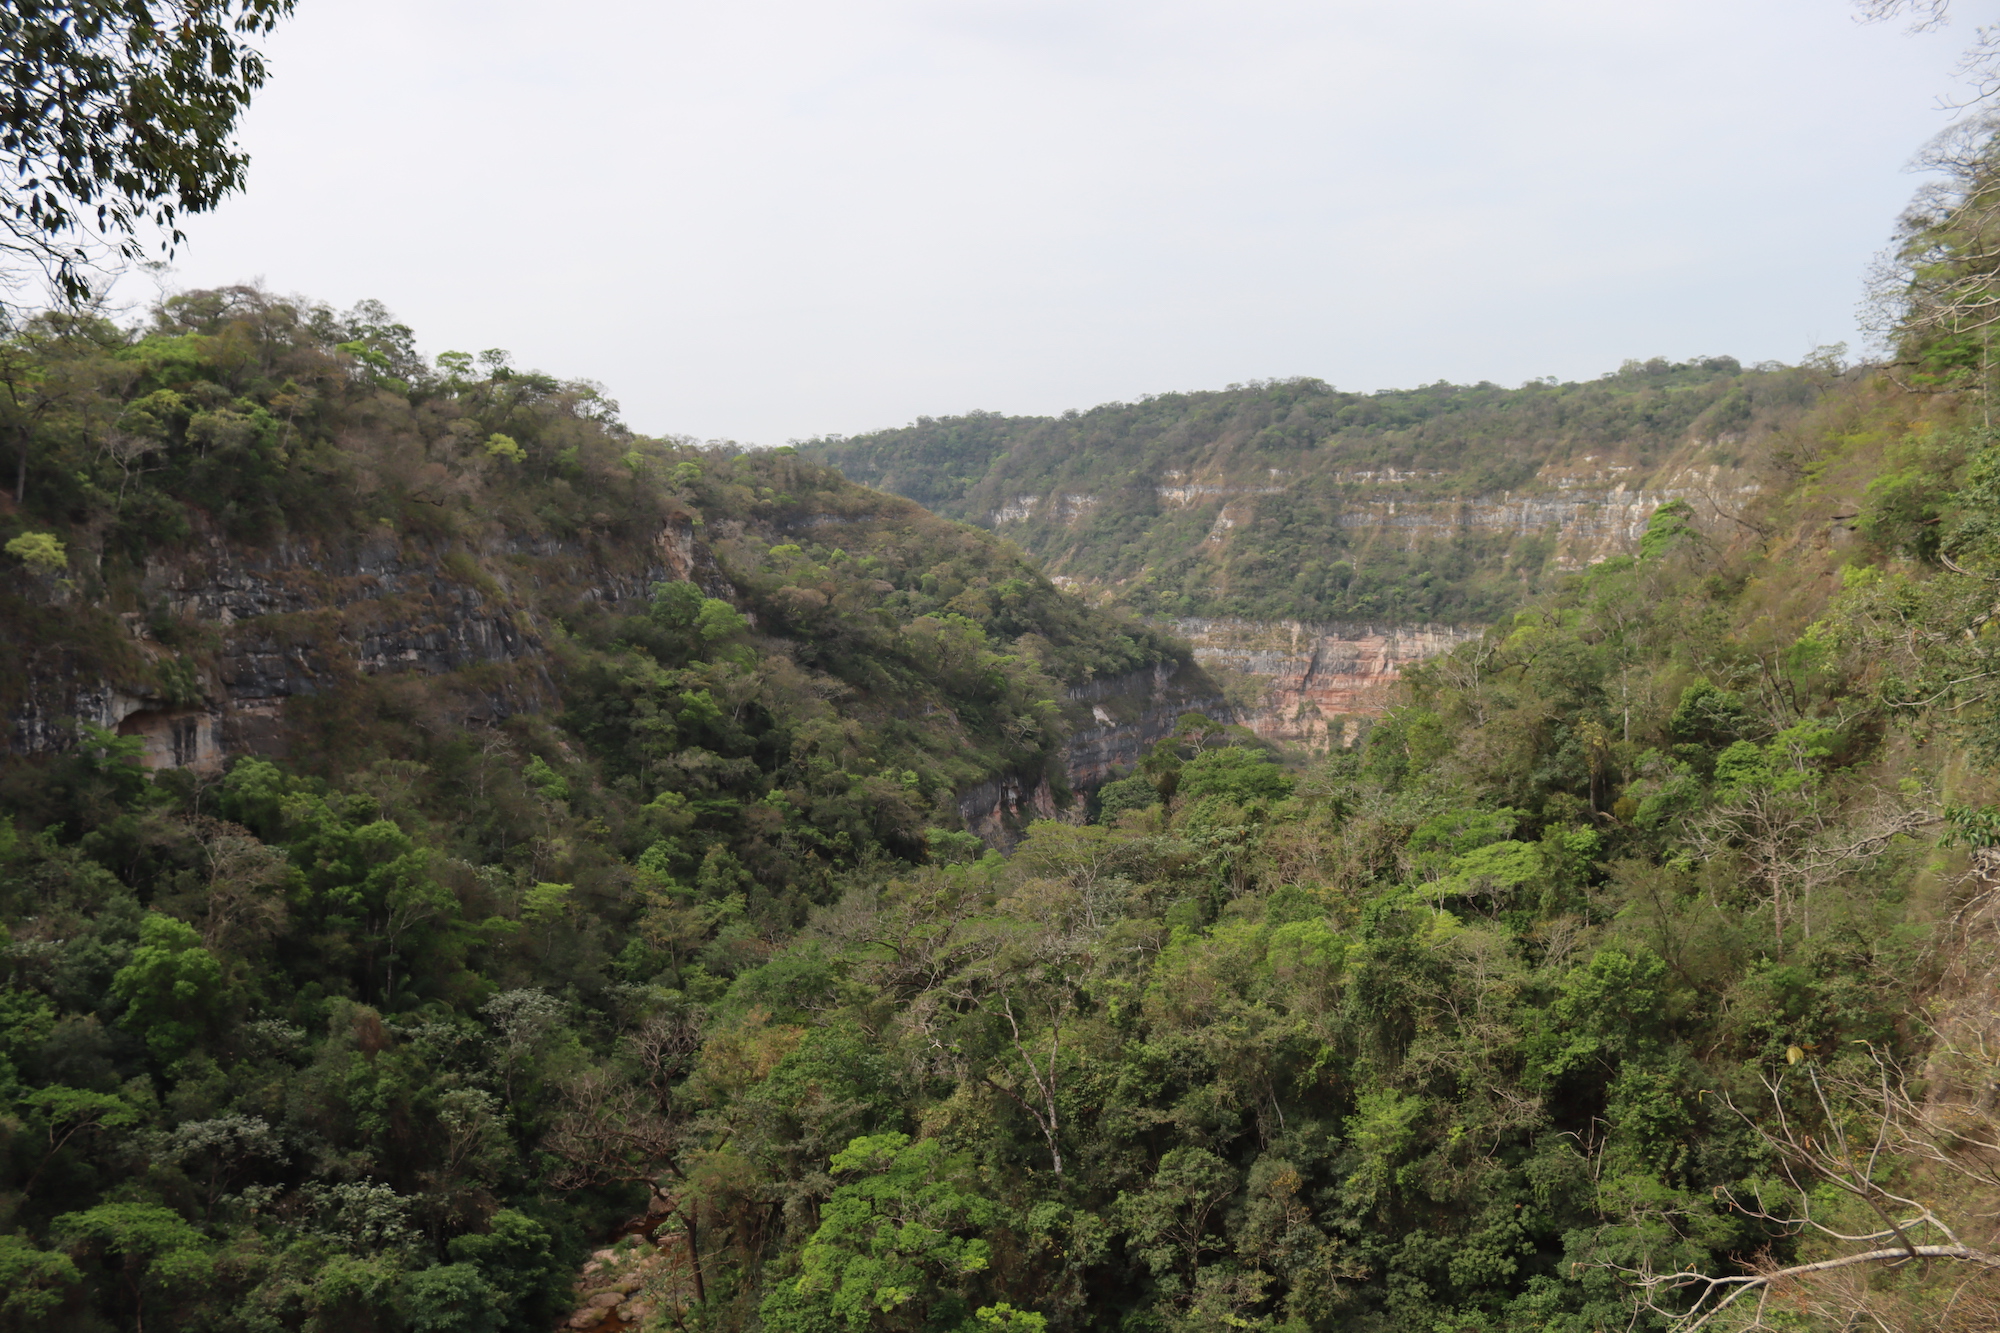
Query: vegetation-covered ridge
238,453
1290,500
795,701
1556,987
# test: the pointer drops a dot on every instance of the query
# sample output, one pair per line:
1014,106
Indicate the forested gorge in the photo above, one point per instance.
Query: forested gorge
1635,970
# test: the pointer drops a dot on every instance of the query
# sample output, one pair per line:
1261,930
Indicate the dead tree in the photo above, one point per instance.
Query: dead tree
1895,1185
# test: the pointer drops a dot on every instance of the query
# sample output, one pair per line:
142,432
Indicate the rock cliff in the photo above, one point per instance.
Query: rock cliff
1589,509
232,634
1317,681
1126,715
1313,543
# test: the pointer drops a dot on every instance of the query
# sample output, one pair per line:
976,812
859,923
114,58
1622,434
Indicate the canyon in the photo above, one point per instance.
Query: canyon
1206,535
1313,684
1311,544
296,620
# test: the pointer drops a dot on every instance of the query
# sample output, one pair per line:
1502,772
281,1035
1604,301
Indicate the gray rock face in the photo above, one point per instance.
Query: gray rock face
1133,711
1128,713
298,619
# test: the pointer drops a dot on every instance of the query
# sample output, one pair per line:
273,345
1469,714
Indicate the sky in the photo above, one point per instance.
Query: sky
776,219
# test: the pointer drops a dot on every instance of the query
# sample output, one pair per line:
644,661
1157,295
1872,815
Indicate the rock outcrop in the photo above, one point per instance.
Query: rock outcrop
997,810
1318,680
1131,712
1590,506
646,1275
235,633
1127,714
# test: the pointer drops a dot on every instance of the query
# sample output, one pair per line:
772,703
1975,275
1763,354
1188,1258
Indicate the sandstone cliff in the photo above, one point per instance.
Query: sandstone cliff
1317,681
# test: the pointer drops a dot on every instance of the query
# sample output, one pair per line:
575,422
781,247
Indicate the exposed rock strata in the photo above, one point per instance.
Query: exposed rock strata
1590,510
1128,713
1592,505
998,810
1318,679
297,620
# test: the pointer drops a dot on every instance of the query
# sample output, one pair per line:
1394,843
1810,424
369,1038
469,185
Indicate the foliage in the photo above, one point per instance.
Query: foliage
890,1250
39,551
1439,1032
1274,501
116,114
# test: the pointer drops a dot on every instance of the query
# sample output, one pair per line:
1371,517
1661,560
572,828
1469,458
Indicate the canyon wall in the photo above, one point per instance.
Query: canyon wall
1317,681
1592,507
1126,714
233,634
1314,543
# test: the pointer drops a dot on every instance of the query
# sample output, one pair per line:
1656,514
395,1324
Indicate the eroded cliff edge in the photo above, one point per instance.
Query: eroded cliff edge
243,650
230,635
1317,683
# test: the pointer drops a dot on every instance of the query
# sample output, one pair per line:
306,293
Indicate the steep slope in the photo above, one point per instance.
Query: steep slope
1371,524
235,576
552,836
426,728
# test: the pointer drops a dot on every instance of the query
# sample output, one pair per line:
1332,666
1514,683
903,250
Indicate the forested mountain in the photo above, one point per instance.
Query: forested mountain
561,712
1291,500
445,833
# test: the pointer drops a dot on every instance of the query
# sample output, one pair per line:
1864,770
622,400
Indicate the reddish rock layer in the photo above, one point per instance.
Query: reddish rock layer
1317,679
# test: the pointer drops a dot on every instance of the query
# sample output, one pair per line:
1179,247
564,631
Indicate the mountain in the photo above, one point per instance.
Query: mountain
464,865
268,529
1315,541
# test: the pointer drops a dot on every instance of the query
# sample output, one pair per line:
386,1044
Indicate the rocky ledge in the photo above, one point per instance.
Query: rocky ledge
256,628
1318,681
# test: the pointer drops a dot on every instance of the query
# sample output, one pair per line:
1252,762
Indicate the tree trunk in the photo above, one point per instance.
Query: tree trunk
694,1255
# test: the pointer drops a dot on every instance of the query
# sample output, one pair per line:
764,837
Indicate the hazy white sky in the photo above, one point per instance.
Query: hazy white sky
772,219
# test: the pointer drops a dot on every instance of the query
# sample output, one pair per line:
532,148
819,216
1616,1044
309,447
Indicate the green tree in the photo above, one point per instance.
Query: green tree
66,1114
119,113
521,1267
897,1246
173,989
1173,1220
40,552
32,1283
153,1253
1236,774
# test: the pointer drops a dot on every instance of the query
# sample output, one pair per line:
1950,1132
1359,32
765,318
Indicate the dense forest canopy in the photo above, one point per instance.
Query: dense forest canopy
1264,501
1475,1026
1634,971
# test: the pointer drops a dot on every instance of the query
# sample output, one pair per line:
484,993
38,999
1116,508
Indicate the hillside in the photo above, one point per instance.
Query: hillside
1289,500
342,686
1312,544
269,517
465,866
